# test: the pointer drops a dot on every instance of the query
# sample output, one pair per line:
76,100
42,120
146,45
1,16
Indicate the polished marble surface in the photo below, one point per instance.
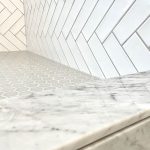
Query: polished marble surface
23,72
72,117
135,137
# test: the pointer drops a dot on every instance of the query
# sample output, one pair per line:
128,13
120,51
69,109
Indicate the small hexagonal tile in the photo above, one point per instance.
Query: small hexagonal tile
22,73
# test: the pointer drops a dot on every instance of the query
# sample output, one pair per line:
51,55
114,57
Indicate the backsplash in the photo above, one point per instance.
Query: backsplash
104,38
12,25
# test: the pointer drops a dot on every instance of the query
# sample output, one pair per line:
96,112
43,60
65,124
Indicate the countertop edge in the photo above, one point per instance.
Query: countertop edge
98,134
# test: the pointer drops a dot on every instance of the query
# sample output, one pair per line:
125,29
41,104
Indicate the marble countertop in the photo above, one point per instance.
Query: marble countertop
70,118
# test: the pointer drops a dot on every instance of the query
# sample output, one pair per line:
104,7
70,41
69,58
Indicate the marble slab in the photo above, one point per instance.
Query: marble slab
72,117
135,137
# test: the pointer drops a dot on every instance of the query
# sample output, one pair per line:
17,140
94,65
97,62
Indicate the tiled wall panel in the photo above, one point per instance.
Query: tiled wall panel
12,25
104,38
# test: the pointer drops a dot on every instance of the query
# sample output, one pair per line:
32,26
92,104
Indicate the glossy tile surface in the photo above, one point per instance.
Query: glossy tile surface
12,25
90,35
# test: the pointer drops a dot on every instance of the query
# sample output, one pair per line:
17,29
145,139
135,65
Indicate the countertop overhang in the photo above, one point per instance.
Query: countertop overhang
73,117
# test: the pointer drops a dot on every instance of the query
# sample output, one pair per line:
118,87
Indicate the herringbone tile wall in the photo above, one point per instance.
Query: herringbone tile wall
105,38
12,25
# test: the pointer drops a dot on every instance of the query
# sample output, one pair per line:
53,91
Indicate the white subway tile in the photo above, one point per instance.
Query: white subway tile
1,7
65,12
10,21
97,15
111,19
83,16
38,19
72,16
21,37
9,5
15,41
34,19
4,15
132,20
89,58
45,47
102,57
118,56
2,48
59,50
49,1
7,44
77,54
52,49
23,30
138,53
18,25
49,17
56,16
43,19
144,32
67,52
19,5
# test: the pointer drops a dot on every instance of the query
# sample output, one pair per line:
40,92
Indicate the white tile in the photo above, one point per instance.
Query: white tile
112,17
2,48
38,20
43,2
144,32
44,15
72,16
49,17
49,1
132,20
18,25
66,33
63,16
67,52
7,44
21,37
9,5
102,57
56,16
96,17
56,1
31,17
4,15
1,7
10,21
118,56
89,58
45,47
35,18
52,48
138,53
15,41
32,2
83,16
39,46
23,30
59,50
19,5
77,54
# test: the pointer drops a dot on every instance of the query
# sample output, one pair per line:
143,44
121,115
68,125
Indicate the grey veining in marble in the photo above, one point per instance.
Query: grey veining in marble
136,137
70,118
